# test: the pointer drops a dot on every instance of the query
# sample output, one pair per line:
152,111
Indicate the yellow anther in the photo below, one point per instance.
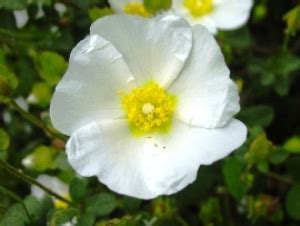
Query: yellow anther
136,8
199,8
148,107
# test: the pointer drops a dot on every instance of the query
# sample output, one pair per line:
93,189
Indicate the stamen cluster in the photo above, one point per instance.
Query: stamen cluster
149,107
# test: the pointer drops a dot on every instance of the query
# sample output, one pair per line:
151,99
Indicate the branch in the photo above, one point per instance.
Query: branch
31,180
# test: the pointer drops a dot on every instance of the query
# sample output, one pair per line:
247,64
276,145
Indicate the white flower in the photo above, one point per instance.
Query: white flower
146,102
53,184
213,14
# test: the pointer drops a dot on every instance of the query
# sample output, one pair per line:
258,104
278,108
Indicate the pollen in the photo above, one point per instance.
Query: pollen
149,108
136,8
199,8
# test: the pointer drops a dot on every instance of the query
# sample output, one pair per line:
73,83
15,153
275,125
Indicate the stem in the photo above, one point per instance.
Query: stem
30,180
36,121
181,221
285,44
280,178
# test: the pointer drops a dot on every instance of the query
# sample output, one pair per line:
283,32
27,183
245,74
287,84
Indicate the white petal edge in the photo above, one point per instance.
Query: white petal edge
154,49
109,151
232,14
206,95
172,161
89,90
52,183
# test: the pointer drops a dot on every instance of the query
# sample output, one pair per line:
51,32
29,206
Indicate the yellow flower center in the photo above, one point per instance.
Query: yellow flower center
198,8
149,108
58,204
136,8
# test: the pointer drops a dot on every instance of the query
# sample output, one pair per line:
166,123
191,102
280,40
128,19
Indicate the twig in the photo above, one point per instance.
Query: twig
31,180
37,122
280,178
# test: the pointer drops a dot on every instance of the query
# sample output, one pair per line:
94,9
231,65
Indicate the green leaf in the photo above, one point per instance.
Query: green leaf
232,173
50,66
292,145
96,13
124,221
15,216
260,12
292,202
4,140
292,19
260,149
13,4
43,2
78,189
61,216
210,211
154,6
102,204
33,205
239,39
40,94
261,115
16,198
130,204
86,220
8,83
278,156
292,164
263,166
41,159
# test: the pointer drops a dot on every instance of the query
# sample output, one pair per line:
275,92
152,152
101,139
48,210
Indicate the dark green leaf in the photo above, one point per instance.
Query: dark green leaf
102,204
86,220
278,156
78,189
257,115
292,202
232,172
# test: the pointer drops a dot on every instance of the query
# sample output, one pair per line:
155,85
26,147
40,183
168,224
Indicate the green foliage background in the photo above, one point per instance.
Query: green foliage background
259,184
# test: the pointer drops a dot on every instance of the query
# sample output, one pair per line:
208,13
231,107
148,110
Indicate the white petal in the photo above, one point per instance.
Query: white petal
108,150
118,5
89,91
52,183
173,160
154,49
21,17
206,95
232,14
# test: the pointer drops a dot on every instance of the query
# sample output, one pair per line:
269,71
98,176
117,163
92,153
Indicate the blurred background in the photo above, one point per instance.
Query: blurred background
259,184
